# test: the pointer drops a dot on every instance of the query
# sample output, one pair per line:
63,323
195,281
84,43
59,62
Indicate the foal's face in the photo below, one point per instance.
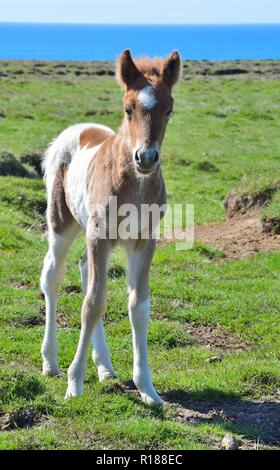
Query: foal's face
147,110
148,105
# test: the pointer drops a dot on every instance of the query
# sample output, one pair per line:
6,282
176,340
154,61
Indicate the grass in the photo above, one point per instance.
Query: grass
224,133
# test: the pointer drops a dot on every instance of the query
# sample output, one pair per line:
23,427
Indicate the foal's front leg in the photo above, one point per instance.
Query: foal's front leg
139,261
92,310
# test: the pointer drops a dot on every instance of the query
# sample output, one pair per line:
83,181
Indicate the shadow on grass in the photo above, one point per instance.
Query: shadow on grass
254,418
257,419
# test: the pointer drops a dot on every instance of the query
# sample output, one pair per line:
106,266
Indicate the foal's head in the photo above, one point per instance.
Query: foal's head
148,104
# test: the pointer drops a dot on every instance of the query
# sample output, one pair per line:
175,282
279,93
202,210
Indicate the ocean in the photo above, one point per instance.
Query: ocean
105,42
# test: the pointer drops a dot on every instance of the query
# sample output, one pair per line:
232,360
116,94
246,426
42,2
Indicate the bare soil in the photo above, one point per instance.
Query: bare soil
241,203
239,236
20,419
212,337
262,415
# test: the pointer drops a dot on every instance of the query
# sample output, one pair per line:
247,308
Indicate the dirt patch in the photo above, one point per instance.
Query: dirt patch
91,440
215,338
72,290
271,225
116,271
62,320
24,284
116,387
244,233
205,165
240,203
38,319
239,236
20,419
30,320
262,415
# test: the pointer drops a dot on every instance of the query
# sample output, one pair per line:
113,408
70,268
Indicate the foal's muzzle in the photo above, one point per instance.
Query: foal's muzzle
146,160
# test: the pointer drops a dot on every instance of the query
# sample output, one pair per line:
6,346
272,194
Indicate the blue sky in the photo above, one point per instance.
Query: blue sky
143,11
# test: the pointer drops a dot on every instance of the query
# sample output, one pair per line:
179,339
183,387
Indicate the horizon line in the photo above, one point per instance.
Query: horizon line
140,24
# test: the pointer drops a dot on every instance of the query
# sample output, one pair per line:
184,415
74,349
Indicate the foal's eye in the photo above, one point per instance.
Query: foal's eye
128,111
169,113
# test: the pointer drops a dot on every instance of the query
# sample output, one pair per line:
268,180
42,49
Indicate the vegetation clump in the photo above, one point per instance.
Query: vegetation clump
11,166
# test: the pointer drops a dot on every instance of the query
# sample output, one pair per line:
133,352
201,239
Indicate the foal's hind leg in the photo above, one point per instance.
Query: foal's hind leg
100,350
53,271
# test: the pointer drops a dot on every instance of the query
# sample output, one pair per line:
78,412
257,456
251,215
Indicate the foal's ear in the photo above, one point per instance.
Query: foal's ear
171,69
127,72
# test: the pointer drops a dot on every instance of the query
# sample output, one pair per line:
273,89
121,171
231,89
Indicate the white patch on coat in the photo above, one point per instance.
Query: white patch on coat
147,98
62,149
66,149
76,183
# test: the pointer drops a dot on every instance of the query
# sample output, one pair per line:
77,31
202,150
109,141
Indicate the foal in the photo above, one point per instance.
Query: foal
85,166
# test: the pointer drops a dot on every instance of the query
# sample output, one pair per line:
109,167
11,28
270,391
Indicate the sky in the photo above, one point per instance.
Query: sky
141,11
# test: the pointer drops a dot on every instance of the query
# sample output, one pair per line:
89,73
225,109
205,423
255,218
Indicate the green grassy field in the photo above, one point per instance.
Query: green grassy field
224,135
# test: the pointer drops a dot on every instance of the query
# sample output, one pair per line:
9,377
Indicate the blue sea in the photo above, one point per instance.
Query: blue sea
105,42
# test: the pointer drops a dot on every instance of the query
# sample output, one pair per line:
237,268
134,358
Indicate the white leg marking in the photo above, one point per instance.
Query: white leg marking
101,353
100,350
53,271
77,370
139,314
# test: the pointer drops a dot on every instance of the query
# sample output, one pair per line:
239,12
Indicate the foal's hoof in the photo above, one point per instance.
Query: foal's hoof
73,390
106,375
50,370
152,400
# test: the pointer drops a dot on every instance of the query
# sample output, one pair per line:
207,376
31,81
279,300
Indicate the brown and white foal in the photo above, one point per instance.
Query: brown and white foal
85,166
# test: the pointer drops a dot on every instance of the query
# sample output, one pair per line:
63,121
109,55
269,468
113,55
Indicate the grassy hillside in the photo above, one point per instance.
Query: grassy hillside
224,135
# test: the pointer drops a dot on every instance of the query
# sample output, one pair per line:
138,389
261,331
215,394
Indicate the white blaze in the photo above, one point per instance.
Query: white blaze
147,98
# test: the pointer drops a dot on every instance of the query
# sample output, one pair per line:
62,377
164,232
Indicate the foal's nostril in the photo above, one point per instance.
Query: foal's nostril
137,156
156,156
